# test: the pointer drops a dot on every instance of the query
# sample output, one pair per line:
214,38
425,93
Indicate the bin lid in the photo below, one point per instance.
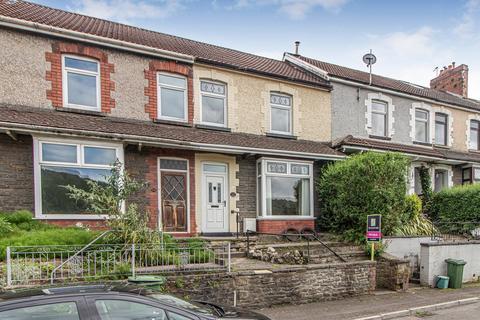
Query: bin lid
457,262
443,277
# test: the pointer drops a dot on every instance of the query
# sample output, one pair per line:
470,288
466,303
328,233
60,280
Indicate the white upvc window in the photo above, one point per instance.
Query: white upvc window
213,103
280,113
284,189
441,129
81,83
58,163
172,97
474,139
422,125
379,118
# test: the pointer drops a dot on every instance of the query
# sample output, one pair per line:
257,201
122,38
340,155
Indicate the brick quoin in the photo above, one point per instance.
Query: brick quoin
55,94
279,226
151,89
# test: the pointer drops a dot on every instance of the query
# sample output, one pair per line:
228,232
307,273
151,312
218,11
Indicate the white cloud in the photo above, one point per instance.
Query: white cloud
419,42
466,26
294,9
126,10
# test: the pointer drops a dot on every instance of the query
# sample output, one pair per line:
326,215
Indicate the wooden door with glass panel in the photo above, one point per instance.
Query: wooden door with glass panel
174,201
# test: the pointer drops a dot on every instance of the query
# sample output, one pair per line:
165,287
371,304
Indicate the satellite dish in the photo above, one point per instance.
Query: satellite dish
369,59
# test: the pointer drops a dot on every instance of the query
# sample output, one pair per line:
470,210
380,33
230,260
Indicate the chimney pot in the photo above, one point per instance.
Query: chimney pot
297,44
453,64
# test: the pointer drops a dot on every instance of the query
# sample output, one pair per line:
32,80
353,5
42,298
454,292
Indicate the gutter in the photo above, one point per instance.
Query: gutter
160,142
97,40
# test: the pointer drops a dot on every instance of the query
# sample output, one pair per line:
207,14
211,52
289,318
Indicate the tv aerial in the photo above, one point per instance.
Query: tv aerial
369,59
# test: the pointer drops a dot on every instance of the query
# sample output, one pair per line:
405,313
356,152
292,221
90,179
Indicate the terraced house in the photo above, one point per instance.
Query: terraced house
437,127
213,130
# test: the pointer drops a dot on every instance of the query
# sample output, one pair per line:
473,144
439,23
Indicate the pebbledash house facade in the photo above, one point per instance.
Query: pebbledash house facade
437,127
212,130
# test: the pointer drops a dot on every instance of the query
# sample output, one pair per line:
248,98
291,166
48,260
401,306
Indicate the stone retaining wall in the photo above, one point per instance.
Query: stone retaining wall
392,273
263,288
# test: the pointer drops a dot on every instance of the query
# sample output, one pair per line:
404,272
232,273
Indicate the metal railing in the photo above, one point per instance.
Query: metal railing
291,237
30,265
456,231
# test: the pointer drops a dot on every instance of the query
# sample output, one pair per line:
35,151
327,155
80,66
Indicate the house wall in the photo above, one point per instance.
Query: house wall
349,116
248,103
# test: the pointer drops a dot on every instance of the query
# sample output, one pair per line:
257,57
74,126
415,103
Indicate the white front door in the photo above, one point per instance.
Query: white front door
214,199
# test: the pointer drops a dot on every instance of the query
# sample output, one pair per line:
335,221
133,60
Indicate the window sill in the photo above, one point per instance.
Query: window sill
215,128
85,217
81,111
473,151
441,146
281,136
287,218
379,137
426,144
172,122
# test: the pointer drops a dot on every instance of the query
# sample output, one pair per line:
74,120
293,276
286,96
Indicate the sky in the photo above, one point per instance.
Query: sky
410,38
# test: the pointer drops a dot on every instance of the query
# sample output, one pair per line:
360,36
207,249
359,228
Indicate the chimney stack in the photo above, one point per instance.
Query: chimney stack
297,44
452,79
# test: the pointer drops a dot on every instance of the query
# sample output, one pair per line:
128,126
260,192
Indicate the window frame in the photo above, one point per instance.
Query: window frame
445,132
470,134
38,142
66,70
172,87
444,171
261,183
427,127
217,96
385,114
283,107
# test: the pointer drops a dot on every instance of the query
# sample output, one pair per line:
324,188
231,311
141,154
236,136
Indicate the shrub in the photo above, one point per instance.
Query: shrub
415,223
5,226
23,220
367,183
452,208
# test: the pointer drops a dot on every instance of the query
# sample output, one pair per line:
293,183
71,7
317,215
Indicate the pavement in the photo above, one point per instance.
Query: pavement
466,312
378,303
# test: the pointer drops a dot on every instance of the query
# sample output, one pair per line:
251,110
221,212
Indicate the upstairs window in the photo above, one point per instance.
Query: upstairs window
214,102
379,118
441,129
474,135
422,125
280,113
81,80
172,97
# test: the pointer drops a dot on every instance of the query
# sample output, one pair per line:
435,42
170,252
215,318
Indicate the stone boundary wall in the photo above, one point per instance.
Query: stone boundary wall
264,288
392,273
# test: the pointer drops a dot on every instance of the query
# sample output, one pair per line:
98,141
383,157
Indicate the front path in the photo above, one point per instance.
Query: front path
352,308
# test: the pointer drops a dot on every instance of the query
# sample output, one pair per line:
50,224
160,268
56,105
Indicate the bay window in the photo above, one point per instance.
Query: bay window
172,97
214,103
285,188
280,113
81,83
59,163
422,125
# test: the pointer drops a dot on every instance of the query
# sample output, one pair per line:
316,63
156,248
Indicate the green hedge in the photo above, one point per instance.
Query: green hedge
457,204
367,183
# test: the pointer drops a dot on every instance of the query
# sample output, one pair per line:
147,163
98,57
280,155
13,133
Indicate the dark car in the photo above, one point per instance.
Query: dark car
106,302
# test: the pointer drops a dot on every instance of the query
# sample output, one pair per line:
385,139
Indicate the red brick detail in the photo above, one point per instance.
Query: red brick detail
452,79
151,89
279,226
55,94
152,193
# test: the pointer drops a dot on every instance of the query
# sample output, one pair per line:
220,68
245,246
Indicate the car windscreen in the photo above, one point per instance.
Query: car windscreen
191,306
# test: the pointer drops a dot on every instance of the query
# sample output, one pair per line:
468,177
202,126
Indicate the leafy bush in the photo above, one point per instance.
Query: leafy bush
5,226
23,220
367,183
454,208
415,224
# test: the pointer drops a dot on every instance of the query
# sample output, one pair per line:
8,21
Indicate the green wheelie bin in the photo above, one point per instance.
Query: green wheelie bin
455,272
